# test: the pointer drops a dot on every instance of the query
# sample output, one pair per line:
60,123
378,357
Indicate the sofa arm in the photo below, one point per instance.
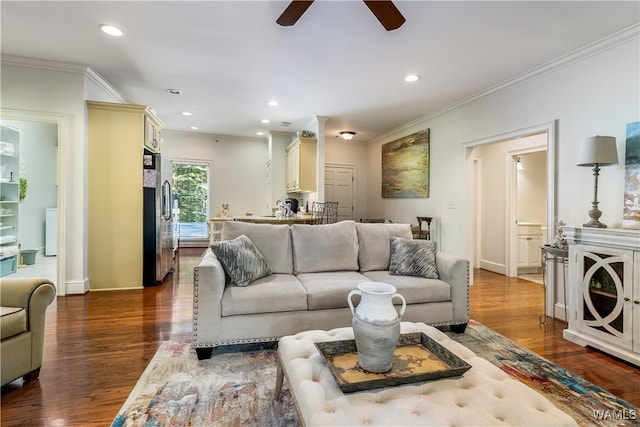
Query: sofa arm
34,294
455,271
208,287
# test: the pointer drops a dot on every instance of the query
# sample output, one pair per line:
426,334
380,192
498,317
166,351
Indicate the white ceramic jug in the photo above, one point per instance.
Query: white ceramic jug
376,325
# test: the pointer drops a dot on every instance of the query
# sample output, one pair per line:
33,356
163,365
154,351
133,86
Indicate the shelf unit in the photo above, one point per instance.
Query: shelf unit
9,198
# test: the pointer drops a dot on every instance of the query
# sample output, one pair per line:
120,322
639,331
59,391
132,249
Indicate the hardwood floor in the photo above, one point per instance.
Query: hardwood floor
98,345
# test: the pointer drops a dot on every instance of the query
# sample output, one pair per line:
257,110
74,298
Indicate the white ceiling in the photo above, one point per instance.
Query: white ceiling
230,57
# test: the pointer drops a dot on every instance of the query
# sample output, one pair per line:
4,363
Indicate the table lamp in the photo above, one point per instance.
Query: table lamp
594,152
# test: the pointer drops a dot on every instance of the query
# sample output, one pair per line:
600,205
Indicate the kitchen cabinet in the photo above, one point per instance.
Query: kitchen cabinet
529,244
152,133
116,141
301,165
9,198
604,290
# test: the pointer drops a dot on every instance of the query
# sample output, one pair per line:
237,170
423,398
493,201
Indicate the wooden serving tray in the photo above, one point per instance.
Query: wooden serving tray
417,357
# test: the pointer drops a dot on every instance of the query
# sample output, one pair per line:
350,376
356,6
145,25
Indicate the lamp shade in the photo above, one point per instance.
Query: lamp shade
598,150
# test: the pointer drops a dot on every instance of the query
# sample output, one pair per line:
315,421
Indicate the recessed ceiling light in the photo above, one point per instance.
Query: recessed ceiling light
186,113
259,133
265,121
174,91
194,128
111,30
273,103
412,78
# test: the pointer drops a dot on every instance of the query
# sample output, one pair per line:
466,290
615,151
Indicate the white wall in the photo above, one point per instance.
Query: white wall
238,168
39,159
33,86
597,93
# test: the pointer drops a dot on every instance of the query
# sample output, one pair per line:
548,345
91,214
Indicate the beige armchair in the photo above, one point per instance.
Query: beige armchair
23,305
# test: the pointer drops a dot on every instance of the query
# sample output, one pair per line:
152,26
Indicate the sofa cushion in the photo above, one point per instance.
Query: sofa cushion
413,258
241,260
326,247
272,240
330,289
415,290
374,241
274,293
13,321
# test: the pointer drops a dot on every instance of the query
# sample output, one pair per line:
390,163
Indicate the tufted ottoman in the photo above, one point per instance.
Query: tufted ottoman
483,396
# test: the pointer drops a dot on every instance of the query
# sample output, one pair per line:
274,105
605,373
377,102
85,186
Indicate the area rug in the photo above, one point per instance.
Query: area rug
236,389
587,403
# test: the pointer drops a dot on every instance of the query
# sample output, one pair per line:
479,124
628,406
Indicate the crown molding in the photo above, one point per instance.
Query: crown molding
105,86
624,36
43,64
66,67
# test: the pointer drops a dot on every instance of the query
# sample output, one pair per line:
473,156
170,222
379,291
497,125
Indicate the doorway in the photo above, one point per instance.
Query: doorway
530,200
39,212
191,202
491,215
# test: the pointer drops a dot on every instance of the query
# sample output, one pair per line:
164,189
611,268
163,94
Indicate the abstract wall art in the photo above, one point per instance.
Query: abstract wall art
405,166
631,211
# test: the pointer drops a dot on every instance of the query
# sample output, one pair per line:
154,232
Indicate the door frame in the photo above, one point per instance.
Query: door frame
62,122
512,205
471,203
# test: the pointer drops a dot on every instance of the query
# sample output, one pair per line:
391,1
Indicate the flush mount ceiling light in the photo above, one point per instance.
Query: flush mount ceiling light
186,113
411,78
194,128
111,30
273,103
347,135
260,133
265,121
174,91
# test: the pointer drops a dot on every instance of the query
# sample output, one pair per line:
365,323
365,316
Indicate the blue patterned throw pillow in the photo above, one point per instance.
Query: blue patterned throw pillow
241,260
413,258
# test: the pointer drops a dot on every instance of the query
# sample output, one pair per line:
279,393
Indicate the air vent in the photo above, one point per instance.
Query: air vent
285,124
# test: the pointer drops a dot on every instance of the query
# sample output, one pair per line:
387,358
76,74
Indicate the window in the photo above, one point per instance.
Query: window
191,194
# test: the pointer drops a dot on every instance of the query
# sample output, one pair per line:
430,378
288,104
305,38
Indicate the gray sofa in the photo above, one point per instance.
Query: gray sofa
312,269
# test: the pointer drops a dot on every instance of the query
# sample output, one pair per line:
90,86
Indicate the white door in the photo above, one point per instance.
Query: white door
338,187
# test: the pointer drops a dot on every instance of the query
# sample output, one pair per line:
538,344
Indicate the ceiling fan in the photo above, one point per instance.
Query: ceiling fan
386,12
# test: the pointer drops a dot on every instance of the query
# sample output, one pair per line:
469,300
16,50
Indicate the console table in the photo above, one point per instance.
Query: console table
604,290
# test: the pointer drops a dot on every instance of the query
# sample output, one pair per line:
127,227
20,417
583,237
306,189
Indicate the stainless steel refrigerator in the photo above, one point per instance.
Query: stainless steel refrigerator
158,227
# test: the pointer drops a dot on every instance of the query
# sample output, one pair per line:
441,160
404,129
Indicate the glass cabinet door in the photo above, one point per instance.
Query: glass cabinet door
606,307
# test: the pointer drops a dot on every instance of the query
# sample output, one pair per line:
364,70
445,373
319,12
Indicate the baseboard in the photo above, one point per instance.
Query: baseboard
77,287
494,267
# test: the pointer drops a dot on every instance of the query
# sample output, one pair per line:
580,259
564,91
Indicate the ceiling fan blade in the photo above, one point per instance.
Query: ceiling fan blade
386,12
293,12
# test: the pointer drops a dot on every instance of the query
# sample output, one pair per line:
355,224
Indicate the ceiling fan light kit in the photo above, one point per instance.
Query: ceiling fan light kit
384,10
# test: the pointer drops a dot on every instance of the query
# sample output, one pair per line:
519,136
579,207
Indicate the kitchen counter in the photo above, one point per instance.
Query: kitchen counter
303,219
